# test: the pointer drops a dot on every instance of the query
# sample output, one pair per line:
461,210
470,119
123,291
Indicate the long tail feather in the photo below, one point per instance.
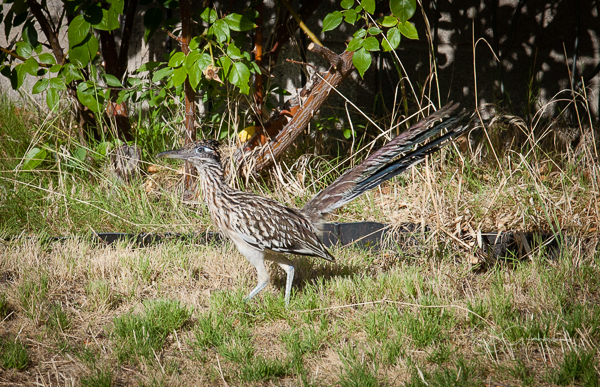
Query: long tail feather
385,163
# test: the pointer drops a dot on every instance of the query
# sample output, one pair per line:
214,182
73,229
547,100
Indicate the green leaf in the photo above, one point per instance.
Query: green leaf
369,6
110,20
371,44
152,19
131,81
56,68
191,58
362,61
347,4
355,44
148,66
47,58
239,22
177,59
195,74
83,53
29,34
112,81
18,7
332,20
40,86
234,52
93,47
24,49
408,29
240,76
125,95
71,73
21,72
393,37
350,16
360,33
20,18
52,98
162,73
388,21
31,66
179,75
403,9
225,63
118,5
33,158
87,96
93,14
57,83
103,148
203,61
11,74
374,31
79,29
79,154
195,43
209,15
220,30
348,133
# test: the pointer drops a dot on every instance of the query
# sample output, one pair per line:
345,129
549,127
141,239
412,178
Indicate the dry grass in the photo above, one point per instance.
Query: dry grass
388,316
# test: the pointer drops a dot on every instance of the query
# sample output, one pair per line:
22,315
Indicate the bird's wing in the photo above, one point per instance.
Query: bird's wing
268,225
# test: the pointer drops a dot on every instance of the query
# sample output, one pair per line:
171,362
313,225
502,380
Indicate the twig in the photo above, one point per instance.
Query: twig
301,24
158,360
221,372
301,63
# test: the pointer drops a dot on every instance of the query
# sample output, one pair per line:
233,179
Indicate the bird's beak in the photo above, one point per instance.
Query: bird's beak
181,154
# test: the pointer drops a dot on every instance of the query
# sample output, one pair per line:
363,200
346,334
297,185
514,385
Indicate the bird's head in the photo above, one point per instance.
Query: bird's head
199,153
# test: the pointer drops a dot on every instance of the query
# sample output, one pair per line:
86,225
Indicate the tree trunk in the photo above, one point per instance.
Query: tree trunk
190,97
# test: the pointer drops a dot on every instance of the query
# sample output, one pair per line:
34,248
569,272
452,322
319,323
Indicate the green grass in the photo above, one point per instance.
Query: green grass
98,378
32,293
462,373
58,319
4,307
357,371
518,370
577,368
143,335
13,354
83,195
305,340
100,295
259,369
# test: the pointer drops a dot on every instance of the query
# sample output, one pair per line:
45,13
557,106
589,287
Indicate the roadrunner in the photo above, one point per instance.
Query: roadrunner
263,229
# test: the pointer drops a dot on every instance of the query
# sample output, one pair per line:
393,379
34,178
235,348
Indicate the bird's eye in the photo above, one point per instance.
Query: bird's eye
203,149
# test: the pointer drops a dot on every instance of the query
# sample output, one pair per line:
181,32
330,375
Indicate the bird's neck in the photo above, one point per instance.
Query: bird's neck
212,177
212,183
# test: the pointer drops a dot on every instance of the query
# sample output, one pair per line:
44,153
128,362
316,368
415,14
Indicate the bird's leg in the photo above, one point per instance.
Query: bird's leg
257,259
256,290
288,267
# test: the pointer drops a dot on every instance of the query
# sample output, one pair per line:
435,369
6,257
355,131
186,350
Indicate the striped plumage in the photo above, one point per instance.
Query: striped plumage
263,229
